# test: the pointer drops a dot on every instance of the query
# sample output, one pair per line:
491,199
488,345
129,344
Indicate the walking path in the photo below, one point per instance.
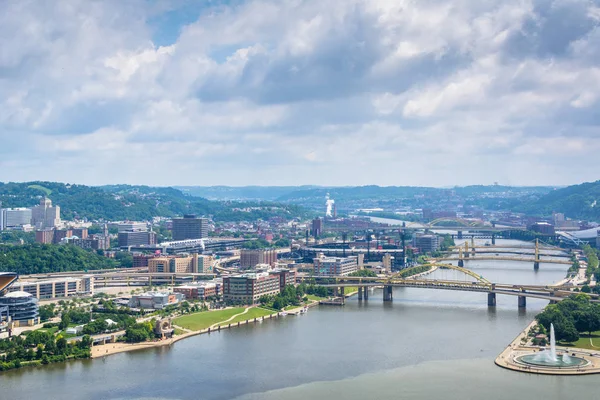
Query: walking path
230,319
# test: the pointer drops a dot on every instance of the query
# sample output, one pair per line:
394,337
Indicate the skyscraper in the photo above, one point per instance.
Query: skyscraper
190,227
45,215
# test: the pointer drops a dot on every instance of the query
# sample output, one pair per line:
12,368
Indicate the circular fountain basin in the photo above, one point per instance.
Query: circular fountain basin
541,360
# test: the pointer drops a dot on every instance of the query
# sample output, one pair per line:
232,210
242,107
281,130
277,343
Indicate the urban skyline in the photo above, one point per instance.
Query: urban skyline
256,92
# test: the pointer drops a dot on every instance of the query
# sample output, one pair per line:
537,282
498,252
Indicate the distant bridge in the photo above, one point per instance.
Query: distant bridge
476,284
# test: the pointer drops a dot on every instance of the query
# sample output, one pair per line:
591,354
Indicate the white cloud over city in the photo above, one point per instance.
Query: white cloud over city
336,92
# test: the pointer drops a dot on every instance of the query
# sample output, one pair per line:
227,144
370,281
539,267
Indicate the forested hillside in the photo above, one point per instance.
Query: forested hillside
43,258
577,201
124,202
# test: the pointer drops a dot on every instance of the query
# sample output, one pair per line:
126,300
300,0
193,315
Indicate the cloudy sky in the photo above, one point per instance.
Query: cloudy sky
284,92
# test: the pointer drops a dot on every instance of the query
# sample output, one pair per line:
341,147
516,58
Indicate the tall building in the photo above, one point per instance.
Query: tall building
427,243
335,265
136,238
132,226
14,217
317,227
45,215
251,258
45,236
60,234
190,227
81,233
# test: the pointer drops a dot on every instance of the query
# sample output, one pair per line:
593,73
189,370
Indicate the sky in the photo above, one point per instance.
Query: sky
289,92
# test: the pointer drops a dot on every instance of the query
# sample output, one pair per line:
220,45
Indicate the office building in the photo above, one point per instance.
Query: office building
286,277
186,264
316,227
23,308
14,218
132,226
335,265
199,291
56,288
542,227
136,238
426,243
248,288
190,227
251,258
45,215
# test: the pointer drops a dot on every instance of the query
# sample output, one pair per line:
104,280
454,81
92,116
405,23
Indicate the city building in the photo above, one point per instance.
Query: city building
317,227
199,291
56,288
61,235
251,258
286,277
81,233
136,238
249,287
14,218
23,309
426,243
130,226
544,228
45,236
45,215
335,265
155,300
190,227
141,260
186,264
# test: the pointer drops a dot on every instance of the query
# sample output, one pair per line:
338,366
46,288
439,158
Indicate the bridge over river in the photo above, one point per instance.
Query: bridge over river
471,283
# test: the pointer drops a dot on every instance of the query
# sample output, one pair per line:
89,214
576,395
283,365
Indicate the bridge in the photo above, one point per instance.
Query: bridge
492,253
476,283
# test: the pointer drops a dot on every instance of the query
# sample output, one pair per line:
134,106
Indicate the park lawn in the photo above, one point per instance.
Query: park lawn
52,330
350,289
205,319
255,312
315,298
584,341
41,188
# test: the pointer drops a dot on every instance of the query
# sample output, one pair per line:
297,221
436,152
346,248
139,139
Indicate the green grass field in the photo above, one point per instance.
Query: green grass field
255,312
315,298
41,188
203,320
584,341
350,289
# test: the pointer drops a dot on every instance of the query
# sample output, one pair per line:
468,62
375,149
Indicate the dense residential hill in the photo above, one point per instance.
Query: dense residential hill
577,201
122,202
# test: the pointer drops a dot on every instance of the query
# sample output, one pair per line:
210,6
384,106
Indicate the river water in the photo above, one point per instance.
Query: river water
425,344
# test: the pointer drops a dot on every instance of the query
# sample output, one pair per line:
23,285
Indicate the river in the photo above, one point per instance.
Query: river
426,344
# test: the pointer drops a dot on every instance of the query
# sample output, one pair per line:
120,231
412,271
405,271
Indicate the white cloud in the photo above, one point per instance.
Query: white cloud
325,92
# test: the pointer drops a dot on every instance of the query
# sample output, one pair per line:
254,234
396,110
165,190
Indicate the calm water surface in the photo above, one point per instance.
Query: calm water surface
426,344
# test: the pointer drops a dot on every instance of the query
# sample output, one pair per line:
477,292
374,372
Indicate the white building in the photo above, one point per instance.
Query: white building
14,217
335,265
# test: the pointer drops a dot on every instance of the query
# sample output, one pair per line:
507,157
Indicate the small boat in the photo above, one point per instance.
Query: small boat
283,314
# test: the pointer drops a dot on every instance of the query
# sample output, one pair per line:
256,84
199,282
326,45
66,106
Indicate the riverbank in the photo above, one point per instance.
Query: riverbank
508,359
120,347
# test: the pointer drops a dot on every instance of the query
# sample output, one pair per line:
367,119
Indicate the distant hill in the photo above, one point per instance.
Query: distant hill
577,201
269,193
125,202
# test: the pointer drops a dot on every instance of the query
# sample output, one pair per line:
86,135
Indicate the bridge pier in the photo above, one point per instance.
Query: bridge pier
335,291
493,239
460,234
522,301
491,299
360,293
536,265
366,293
387,293
342,291
461,263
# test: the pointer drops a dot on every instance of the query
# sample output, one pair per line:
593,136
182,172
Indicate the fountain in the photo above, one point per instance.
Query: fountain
549,358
